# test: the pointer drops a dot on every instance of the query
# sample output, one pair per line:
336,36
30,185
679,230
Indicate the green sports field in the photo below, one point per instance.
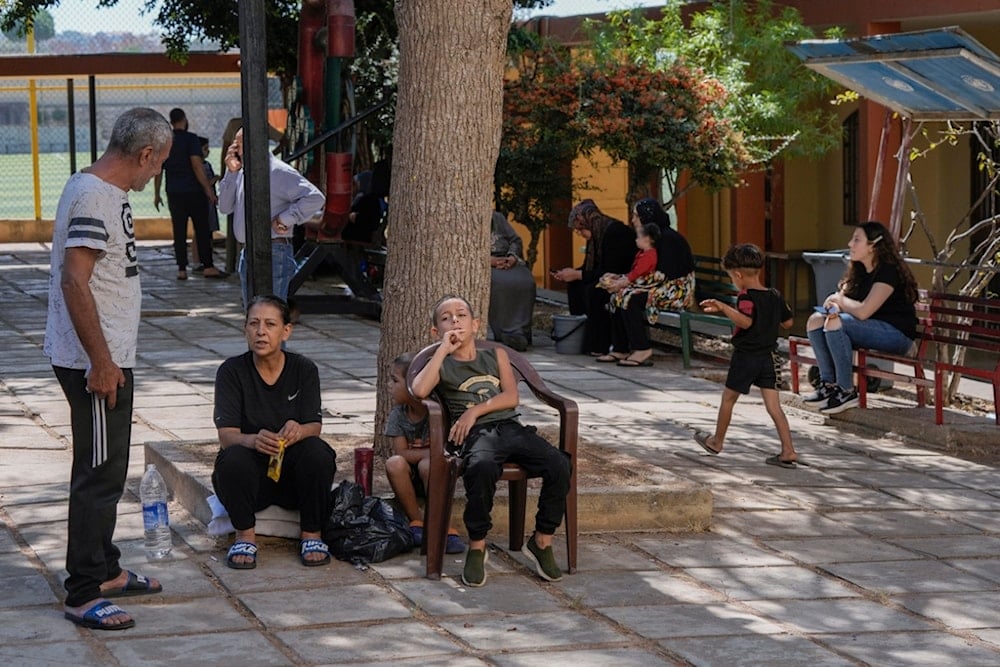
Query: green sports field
17,195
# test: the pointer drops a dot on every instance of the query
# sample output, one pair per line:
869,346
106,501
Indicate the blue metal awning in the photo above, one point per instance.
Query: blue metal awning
941,74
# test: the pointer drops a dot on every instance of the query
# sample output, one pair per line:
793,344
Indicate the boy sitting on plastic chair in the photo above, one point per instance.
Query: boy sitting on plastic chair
480,393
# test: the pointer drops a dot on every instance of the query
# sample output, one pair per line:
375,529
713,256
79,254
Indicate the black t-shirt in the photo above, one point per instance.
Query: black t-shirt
673,254
767,310
244,401
177,166
615,254
896,310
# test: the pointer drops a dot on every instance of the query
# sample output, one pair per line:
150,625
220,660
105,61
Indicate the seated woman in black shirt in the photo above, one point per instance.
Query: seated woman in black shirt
267,404
873,309
610,249
670,288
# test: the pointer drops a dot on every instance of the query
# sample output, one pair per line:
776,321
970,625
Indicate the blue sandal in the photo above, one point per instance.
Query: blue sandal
135,584
93,618
313,546
239,548
454,544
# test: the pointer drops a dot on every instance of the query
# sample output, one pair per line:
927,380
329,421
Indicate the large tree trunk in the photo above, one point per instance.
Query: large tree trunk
445,144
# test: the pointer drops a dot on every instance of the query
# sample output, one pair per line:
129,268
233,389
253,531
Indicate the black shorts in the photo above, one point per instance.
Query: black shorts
417,481
753,368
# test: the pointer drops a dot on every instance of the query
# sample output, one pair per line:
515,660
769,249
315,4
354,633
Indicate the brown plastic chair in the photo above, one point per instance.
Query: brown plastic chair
446,467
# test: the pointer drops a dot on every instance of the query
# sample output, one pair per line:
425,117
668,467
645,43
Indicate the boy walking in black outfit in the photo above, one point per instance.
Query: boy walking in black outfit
480,392
758,313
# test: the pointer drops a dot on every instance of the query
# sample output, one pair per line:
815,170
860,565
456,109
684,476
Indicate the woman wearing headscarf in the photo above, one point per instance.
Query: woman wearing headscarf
512,287
671,287
610,249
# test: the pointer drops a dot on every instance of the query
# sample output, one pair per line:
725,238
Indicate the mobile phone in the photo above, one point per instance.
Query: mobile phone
821,309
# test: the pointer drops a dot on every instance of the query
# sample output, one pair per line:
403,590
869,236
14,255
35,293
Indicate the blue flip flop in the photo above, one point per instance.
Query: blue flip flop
93,617
314,546
136,584
454,545
241,548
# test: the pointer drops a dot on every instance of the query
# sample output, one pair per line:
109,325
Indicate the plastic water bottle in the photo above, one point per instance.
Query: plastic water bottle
155,521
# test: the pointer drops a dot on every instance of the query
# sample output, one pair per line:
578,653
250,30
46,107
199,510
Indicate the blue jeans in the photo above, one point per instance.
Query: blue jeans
283,267
835,348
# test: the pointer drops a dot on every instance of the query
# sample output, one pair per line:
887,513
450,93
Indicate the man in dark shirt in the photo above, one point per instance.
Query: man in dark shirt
188,196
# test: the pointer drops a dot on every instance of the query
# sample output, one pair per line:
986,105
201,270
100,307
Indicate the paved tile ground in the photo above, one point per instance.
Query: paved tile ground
880,553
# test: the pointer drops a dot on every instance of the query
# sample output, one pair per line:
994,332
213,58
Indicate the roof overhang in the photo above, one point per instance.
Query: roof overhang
938,75
116,64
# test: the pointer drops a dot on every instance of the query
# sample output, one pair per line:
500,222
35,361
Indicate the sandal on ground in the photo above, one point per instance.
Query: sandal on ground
454,545
248,549
314,546
182,274
610,358
135,584
94,617
776,460
417,530
702,438
635,363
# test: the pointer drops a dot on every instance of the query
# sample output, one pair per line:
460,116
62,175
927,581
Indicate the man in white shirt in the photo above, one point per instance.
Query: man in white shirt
294,201
90,336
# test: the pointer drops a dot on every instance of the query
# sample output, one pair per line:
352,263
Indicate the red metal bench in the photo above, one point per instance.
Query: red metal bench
946,321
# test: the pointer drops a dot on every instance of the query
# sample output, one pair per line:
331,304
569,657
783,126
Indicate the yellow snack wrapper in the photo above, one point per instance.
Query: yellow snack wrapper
274,464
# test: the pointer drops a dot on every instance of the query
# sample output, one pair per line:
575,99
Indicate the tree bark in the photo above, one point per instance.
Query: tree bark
445,145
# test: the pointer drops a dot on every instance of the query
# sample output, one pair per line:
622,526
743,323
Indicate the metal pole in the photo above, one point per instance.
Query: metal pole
256,171
92,92
71,120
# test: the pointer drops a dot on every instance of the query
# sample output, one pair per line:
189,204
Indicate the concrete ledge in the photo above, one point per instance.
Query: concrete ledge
664,505
962,434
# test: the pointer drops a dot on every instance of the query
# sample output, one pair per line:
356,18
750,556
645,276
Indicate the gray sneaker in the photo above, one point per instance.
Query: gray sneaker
543,559
474,572
841,401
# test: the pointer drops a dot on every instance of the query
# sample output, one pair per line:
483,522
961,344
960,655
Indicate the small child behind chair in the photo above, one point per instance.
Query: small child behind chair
409,467
758,313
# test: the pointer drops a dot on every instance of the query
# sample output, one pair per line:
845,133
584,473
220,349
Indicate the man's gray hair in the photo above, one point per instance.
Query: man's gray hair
137,128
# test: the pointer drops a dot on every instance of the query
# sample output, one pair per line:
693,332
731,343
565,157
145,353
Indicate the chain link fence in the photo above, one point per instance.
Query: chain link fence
51,127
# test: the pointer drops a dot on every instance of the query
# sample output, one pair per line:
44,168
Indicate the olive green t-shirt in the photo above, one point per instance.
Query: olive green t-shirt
466,383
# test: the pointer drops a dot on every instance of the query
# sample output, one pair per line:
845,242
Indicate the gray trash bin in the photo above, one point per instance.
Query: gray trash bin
828,268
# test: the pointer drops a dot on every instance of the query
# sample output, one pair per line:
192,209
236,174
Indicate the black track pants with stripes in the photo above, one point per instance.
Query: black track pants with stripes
101,439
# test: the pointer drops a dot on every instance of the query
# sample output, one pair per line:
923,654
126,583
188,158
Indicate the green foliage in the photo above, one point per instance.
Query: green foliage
33,14
668,119
541,136
773,101
373,73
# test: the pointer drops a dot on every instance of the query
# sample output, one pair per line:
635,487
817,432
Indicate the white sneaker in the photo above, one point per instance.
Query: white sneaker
822,394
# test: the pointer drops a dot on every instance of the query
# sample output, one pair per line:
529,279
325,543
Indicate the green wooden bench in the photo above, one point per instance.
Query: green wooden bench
711,282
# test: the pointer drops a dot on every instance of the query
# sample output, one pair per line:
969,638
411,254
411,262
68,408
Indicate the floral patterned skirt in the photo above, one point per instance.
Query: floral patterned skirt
664,294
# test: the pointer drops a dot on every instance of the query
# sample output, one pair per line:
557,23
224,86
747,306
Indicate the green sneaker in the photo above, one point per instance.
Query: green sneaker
474,573
543,559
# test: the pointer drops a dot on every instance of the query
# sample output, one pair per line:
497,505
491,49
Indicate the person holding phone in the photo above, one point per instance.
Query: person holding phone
610,249
294,201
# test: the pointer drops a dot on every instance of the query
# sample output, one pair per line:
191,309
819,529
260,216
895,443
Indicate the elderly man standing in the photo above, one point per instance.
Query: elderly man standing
90,337
294,201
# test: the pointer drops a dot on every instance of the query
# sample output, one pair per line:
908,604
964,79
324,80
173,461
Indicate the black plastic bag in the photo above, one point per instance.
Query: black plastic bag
365,529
